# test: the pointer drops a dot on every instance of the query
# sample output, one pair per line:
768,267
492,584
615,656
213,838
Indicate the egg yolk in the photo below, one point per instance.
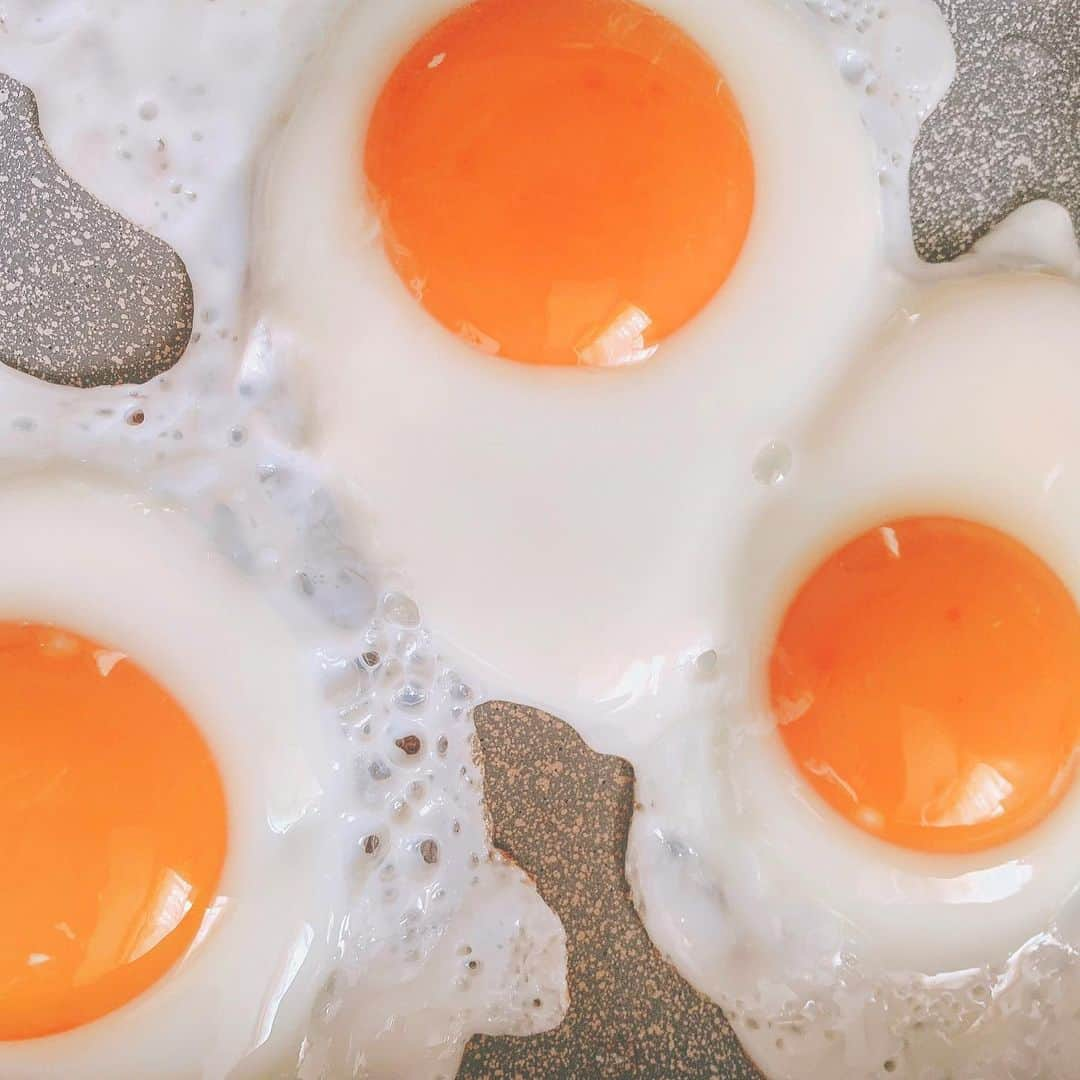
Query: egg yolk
114,830
560,181
926,682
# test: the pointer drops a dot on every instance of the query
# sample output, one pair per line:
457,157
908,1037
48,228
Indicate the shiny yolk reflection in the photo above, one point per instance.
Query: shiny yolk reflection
560,181
926,680
114,830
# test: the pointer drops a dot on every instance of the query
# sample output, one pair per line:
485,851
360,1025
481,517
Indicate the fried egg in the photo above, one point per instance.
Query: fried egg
600,409
588,503
868,863
165,766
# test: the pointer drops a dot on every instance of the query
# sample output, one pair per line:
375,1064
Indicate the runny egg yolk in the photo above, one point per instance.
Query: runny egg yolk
926,682
114,830
560,181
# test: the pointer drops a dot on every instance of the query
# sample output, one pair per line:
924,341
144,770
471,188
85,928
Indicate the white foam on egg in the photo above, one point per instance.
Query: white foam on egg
422,935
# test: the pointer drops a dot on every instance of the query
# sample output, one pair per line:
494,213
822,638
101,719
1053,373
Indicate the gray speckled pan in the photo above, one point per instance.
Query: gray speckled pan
88,299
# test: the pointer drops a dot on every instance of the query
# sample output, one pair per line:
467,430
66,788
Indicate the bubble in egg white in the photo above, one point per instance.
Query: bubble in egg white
773,463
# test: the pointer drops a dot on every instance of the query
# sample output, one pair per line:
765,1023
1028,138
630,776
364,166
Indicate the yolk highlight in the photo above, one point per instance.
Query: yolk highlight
560,181
114,830
926,681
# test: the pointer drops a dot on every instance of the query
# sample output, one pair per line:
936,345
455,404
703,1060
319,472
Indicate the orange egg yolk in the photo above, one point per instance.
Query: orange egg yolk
114,830
560,181
926,682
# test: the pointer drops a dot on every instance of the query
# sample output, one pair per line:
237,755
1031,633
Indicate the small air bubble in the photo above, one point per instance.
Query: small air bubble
409,744
707,662
852,65
401,610
772,464
410,696
442,745
237,436
378,770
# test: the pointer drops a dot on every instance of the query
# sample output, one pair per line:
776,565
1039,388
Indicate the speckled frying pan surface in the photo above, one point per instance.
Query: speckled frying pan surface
105,303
